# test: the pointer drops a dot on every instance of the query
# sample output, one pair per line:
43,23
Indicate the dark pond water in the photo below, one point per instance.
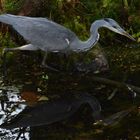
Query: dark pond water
25,78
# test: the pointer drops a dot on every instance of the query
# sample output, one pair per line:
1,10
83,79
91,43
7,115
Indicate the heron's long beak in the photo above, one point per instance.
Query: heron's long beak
128,35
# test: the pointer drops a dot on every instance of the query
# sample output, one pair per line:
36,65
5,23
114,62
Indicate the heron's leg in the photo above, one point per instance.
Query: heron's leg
45,65
4,72
28,47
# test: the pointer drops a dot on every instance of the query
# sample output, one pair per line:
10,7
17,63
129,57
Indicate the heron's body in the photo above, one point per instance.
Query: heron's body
42,33
49,36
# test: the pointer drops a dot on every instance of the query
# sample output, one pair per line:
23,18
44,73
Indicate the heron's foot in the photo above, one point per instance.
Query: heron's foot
49,67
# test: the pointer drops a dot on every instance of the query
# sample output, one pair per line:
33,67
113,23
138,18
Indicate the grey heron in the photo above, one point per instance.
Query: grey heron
48,36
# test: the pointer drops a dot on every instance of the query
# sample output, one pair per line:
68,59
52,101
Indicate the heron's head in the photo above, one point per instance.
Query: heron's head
114,26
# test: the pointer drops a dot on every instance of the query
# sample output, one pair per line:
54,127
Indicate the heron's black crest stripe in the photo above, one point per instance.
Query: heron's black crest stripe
114,27
106,19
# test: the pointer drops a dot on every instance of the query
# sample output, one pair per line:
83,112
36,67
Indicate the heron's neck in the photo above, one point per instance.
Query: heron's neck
82,46
87,45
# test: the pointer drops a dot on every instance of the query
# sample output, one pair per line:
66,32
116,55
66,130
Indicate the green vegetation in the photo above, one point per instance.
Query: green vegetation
12,6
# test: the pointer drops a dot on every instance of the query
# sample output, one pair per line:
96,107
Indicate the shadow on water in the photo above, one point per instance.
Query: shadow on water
28,83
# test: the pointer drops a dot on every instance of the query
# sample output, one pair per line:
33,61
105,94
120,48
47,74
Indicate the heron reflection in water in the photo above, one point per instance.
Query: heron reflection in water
52,111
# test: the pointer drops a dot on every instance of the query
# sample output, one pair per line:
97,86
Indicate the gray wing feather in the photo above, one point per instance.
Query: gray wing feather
40,32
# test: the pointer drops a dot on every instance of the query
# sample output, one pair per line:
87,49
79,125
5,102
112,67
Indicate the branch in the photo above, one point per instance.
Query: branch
121,85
